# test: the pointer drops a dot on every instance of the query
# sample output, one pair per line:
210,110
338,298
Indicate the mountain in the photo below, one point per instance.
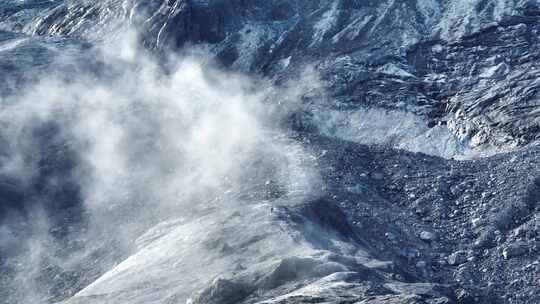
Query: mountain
211,151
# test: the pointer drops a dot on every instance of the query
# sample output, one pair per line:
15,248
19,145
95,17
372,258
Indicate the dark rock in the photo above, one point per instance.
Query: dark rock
222,291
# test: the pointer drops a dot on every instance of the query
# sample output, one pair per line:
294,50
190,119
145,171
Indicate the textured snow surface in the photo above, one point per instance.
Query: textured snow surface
326,23
178,263
465,17
397,129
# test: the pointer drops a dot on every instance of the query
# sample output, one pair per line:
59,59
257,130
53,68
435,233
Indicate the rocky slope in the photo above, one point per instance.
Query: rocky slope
467,65
417,117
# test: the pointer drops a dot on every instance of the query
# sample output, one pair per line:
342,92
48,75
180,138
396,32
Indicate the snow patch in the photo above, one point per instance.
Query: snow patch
496,71
382,12
394,70
430,10
251,38
436,77
353,30
437,48
398,129
12,44
461,17
327,287
285,62
326,23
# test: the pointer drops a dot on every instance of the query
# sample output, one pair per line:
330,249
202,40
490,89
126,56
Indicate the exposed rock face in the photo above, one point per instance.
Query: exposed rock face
397,91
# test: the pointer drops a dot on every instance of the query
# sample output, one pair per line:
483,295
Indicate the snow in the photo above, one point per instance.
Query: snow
382,11
402,130
498,70
285,62
251,37
354,29
326,23
12,44
436,77
188,256
178,259
325,286
392,69
437,48
456,10
223,237
460,17
430,10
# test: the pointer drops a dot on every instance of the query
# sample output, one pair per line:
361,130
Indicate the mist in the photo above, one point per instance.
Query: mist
137,142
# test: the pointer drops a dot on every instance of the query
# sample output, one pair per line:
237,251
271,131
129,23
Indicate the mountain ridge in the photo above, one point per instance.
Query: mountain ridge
341,152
